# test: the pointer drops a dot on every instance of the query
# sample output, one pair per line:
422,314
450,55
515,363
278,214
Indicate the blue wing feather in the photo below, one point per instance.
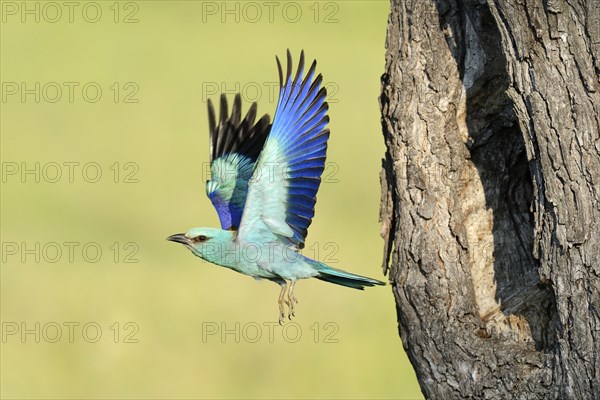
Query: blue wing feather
299,126
293,158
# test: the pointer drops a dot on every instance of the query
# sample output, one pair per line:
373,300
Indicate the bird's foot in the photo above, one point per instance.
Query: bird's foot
290,303
282,313
292,300
282,300
287,298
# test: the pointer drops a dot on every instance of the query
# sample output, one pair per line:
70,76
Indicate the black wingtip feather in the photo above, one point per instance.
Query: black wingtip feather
300,69
280,71
236,111
223,111
289,67
234,135
211,126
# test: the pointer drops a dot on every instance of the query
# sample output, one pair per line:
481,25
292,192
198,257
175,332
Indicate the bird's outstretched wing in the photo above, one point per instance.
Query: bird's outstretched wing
234,147
282,191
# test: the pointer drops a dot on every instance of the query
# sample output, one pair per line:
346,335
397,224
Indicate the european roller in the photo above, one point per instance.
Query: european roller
264,182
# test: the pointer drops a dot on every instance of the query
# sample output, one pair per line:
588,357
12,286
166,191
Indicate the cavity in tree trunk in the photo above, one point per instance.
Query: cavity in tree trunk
490,194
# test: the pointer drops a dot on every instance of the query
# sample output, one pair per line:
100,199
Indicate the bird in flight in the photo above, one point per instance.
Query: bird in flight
264,182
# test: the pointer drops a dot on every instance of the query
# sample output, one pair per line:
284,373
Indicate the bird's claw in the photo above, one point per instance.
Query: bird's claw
289,302
282,317
282,314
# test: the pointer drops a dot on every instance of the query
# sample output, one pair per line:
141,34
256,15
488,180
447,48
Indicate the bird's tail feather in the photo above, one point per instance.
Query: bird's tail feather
343,278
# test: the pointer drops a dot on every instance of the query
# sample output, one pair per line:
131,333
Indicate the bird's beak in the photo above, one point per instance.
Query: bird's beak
179,238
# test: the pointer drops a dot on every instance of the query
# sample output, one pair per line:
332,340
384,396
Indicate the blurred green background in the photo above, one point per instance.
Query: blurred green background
142,312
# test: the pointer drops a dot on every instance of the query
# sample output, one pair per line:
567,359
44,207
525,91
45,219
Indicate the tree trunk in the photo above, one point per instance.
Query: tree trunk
490,194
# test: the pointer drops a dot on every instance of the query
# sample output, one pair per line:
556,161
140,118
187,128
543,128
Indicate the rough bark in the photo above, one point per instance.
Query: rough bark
490,194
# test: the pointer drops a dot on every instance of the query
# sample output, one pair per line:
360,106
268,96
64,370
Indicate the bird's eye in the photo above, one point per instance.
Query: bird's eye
200,238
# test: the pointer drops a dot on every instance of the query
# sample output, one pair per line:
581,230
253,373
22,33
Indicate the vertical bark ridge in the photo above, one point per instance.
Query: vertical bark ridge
490,195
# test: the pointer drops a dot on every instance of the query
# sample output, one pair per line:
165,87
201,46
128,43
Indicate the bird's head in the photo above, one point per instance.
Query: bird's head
206,243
